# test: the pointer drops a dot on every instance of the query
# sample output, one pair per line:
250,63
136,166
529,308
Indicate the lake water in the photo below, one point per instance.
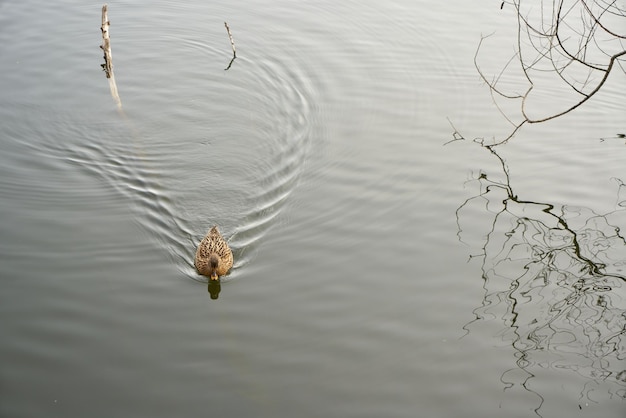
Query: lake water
378,272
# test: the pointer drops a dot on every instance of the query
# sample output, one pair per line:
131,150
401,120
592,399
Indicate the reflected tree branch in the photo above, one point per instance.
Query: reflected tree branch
553,278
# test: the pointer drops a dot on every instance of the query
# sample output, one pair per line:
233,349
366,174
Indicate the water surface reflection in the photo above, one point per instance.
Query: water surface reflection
554,276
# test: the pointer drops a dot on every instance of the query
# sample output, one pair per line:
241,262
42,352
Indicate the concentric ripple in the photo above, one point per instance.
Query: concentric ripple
207,147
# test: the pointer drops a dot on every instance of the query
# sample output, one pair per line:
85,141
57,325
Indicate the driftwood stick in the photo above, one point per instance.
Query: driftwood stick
106,43
108,59
232,42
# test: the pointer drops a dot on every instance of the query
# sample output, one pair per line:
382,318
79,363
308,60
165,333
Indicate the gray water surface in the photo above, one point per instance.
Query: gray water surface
378,273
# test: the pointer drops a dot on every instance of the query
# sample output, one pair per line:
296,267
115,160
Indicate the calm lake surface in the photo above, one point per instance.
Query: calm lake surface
378,272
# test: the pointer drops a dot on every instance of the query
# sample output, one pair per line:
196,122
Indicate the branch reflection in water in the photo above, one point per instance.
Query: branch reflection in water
555,277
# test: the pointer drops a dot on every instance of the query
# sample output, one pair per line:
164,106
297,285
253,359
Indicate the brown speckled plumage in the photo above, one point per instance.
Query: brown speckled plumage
213,244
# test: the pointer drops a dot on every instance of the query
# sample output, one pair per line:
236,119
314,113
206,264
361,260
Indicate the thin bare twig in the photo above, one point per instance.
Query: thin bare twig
232,44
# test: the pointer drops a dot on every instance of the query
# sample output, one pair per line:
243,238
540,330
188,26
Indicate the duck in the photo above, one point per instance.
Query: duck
213,257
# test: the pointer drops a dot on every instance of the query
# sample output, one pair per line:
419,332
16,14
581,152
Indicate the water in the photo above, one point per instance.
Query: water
370,277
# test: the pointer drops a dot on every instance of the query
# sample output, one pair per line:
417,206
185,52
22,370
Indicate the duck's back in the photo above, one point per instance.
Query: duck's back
213,242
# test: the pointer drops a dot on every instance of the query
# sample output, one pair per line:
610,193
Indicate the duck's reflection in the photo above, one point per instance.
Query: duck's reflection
554,277
214,288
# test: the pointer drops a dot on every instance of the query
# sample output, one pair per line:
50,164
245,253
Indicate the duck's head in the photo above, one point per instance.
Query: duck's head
214,261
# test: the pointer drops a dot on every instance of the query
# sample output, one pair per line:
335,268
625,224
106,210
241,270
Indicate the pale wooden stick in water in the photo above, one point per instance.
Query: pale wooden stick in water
108,60
106,43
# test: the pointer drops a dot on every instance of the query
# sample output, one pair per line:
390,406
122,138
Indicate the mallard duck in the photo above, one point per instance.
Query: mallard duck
213,257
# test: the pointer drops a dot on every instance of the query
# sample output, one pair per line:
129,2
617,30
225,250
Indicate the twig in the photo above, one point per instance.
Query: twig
456,135
232,44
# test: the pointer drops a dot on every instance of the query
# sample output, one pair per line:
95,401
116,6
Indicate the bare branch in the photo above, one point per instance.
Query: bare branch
572,40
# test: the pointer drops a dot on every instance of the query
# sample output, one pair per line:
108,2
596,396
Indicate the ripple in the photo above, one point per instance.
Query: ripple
201,146
229,153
